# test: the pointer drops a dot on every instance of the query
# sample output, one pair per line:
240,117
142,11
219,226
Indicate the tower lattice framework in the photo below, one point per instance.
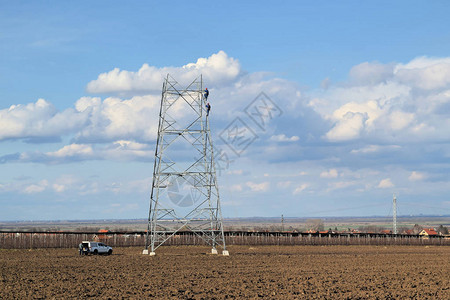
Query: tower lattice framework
185,192
394,215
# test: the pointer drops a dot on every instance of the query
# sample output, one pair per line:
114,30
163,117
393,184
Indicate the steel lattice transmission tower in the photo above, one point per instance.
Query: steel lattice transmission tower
185,192
394,215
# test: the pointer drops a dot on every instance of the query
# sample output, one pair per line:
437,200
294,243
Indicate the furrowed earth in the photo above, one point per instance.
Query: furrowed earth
270,272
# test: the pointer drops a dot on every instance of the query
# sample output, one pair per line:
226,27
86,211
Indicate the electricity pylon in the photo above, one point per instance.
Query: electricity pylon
394,215
185,192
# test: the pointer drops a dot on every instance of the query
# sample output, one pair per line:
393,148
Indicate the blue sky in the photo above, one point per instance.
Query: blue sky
362,85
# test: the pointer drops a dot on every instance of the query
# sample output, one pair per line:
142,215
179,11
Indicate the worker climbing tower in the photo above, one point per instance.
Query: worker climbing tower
185,193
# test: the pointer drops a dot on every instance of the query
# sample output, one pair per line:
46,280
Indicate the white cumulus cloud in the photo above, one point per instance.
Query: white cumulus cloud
388,102
258,187
416,176
72,151
36,188
284,138
116,151
39,120
115,119
385,183
348,127
92,120
375,149
218,68
371,73
425,72
59,188
300,188
332,173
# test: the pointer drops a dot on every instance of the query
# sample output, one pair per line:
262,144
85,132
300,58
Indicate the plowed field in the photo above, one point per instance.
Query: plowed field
270,272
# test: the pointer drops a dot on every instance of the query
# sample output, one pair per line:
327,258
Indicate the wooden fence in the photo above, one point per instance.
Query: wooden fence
29,240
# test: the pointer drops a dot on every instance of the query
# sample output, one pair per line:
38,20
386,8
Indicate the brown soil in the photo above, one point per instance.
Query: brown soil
270,272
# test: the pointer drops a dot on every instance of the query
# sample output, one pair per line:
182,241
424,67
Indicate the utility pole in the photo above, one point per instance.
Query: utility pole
185,192
282,223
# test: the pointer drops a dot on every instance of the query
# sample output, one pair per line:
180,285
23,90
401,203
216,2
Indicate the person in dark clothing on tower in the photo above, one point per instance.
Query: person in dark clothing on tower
206,94
208,108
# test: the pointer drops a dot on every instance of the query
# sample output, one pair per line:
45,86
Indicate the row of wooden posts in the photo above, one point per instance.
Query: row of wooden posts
30,240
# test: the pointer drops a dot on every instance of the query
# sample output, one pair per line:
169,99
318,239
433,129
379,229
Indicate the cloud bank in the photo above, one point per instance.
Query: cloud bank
389,102
373,116
90,120
218,69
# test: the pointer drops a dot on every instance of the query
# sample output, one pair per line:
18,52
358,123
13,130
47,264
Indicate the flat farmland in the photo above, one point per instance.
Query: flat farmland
270,272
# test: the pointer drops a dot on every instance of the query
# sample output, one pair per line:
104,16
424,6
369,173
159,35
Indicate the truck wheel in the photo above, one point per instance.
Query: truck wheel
109,252
95,252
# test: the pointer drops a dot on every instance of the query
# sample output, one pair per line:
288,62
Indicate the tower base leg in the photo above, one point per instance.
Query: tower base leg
145,251
213,251
225,253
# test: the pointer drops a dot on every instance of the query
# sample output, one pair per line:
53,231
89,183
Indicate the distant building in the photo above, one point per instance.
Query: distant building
102,234
426,232
408,231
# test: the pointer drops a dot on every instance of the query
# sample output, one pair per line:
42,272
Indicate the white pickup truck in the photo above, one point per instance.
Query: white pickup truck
96,248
